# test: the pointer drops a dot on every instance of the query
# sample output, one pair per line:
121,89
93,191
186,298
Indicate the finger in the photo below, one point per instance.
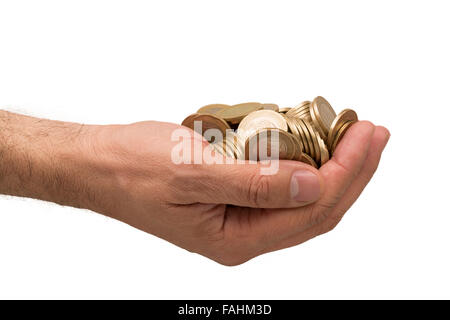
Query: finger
290,184
379,140
346,163
276,225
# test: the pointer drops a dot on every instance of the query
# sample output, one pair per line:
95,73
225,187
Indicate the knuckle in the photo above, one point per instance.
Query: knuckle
258,189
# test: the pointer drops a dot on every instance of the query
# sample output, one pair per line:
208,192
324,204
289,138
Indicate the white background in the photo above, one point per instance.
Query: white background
125,61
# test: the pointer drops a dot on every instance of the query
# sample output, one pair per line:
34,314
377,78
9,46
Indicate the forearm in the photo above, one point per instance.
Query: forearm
47,160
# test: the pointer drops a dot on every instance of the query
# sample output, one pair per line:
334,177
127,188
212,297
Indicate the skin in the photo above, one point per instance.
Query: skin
229,213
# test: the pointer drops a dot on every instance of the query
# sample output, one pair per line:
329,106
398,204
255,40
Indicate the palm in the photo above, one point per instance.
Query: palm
192,207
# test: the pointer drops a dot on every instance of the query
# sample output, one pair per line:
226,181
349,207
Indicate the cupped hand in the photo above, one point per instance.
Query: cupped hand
228,212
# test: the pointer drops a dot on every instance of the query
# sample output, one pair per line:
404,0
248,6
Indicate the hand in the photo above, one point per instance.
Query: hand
229,213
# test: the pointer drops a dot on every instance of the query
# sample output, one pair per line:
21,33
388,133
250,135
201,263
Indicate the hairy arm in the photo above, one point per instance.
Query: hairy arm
46,160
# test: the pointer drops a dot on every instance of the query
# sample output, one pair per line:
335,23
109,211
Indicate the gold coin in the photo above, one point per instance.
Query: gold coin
291,125
270,106
189,121
259,120
239,145
314,134
308,160
324,154
237,112
301,133
212,108
303,104
297,132
284,110
234,144
230,150
227,149
302,111
322,115
309,134
343,117
208,121
298,148
314,123
299,114
298,109
340,134
305,116
240,150
263,139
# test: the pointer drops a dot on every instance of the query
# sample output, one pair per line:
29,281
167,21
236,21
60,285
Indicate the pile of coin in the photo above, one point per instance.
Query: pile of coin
308,132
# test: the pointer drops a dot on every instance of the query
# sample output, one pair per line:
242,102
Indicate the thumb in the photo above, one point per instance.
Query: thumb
294,184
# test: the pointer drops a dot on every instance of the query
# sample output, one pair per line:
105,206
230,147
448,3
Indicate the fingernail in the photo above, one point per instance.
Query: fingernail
305,186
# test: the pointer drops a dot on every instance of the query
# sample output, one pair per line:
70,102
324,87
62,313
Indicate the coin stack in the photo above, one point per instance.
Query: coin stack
308,132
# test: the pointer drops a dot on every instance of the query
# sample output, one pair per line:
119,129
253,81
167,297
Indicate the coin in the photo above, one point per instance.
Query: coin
226,149
208,121
303,104
314,135
340,134
301,125
212,108
230,149
298,148
299,109
284,110
309,135
234,143
270,106
305,116
259,120
237,112
316,125
308,160
259,145
343,117
322,115
189,121
291,125
239,150
324,154
301,133
309,132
